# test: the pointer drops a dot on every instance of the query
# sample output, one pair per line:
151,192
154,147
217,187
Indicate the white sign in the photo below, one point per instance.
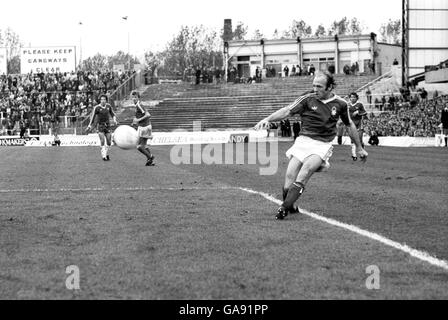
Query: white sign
397,141
3,61
118,68
160,138
47,59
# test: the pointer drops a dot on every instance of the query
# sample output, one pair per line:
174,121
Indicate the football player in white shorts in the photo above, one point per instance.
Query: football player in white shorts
320,110
144,129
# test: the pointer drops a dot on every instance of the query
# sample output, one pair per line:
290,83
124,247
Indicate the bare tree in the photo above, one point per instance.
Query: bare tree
11,41
97,62
298,29
340,27
194,46
257,35
275,35
240,31
320,31
355,27
391,31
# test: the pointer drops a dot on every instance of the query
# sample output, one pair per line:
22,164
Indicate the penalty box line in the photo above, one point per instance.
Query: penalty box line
421,255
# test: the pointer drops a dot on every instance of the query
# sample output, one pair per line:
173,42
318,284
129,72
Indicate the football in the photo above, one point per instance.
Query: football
125,137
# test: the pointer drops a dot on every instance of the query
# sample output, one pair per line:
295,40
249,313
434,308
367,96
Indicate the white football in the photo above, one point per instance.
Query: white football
125,137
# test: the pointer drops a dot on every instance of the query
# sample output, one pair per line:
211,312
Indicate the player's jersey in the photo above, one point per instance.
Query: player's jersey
358,106
140,112
103,114
319,118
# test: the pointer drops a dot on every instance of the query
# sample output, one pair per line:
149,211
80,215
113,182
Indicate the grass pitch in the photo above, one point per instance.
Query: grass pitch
188,232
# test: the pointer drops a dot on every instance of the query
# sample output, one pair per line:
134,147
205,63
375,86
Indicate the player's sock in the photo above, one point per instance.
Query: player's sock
339,140
148,153
294,192
285,193
353,151
103,151
446,141
142,150
107,152
295,209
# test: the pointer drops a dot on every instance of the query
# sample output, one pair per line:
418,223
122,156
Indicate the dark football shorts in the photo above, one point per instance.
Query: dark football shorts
104,127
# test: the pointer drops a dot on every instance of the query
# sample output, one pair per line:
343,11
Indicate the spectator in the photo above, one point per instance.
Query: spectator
286,71
377,104
312,70
383,103
373,140
217,75
198,76
424,95
283,128
287,128
296,128
369,96
258,74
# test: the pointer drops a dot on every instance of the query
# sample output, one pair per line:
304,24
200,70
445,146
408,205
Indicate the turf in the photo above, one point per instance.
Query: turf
187,232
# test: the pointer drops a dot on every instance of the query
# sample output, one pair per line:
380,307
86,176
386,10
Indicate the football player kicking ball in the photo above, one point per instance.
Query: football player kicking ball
103,112
319,109
144,130
357,112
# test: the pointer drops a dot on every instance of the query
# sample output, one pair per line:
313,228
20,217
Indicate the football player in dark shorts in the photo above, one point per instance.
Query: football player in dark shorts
357,112
102,113
319,109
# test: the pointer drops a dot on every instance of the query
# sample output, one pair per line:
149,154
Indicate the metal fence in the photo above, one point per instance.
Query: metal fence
63,125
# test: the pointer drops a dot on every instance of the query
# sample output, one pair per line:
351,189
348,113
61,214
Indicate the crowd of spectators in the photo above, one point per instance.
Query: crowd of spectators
421,120
396,101
38,101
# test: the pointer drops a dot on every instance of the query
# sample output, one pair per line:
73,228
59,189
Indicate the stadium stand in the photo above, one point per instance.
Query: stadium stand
37,101
419,121
228,106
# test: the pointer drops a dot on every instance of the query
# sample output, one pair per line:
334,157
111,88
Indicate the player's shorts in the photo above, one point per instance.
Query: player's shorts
445,131
104,127
144,132
304,147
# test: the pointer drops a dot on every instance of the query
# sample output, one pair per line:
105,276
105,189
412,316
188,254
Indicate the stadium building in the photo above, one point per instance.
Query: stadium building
338,51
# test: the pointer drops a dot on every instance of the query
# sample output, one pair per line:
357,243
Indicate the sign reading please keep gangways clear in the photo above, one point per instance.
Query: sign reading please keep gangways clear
47,59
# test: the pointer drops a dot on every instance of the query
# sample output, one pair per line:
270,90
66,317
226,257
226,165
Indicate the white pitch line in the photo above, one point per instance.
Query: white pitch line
180,188
421,255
